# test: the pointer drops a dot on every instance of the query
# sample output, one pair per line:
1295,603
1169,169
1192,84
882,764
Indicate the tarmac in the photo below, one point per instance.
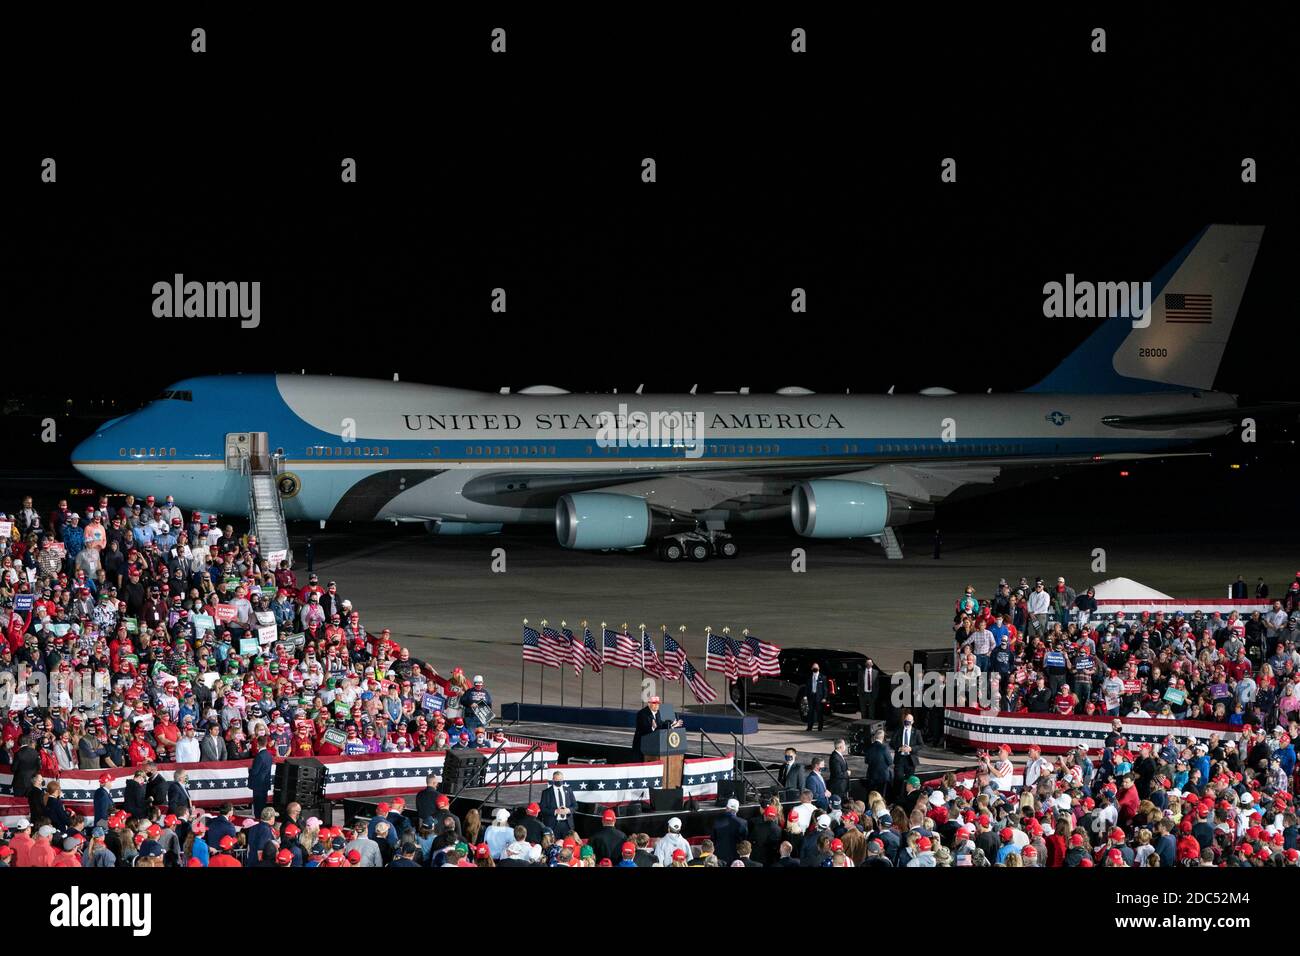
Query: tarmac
442,598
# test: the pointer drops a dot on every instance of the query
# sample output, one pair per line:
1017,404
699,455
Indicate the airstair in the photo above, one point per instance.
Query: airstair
265,512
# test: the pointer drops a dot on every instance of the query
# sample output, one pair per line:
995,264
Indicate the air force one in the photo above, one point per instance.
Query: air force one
327,448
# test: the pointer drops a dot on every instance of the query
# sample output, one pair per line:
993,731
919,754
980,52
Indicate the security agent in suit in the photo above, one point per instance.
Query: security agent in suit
907,740
157,787
879,760
871,688
135,798
791,775
817,786
648,721
260,774
815,689
840,773
558,806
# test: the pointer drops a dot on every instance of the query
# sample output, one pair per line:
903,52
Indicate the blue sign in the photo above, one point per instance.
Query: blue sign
432,702
23,602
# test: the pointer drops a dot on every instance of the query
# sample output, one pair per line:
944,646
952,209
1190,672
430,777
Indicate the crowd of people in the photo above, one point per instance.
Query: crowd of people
133,635
1039,648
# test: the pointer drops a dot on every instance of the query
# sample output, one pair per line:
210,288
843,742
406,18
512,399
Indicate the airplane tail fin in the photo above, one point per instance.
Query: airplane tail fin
1178,343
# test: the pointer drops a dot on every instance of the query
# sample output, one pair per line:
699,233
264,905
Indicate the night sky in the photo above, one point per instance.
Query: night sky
774,171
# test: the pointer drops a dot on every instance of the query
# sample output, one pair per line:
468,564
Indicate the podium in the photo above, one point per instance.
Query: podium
670,747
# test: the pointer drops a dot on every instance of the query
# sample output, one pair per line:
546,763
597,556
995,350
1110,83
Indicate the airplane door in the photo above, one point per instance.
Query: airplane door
238,445
251,445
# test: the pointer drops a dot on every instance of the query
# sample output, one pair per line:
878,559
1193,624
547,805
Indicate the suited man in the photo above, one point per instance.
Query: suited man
426,801
817,786
878,761
648,721
213,745
557,806
729,830
744,849
872,687
104,798
220,826
259,774
840,773
815,690
532,823
135,799
178,793
907,739
157,788
26,767
792,775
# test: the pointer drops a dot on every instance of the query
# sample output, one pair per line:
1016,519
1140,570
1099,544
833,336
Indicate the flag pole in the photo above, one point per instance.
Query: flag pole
682,644
541,671
523,666
582,680
563,664
622,690
744,705
603,625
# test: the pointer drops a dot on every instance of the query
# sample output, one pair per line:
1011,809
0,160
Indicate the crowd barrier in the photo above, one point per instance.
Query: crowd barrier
1057,734
379,775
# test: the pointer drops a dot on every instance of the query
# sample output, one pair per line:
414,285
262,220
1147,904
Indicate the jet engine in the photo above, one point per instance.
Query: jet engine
833,508
595,520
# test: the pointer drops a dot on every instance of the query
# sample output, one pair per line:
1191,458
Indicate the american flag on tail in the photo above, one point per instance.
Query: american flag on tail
574,655
650,662
619,649
591,652
674,658
535,651
719,656
555,649
699,686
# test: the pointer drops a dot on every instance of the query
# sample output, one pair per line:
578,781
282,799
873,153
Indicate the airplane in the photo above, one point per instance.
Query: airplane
840,466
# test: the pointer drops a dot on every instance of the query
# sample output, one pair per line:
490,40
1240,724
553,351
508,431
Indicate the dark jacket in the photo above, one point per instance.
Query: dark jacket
839,781
135,801
765,837
608,843
647,722
728,830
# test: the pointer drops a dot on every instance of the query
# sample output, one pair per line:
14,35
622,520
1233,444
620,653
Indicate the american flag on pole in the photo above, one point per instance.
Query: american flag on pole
1189,308
553,644
746,662
574,649
674,658
619,649
699,686
720,657
766,654
591,651
535,652
650,657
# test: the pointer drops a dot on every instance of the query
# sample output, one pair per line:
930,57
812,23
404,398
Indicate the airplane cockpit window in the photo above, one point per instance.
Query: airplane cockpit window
176,395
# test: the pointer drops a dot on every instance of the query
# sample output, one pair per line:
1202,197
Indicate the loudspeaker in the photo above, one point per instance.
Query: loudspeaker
727,789
463,767
300,780
942,659
666,800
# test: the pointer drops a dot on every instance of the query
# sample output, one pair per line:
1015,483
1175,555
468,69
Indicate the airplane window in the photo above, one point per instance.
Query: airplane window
307,451
121,452
153,452
132,452
552,449
435,451
172,452
338,452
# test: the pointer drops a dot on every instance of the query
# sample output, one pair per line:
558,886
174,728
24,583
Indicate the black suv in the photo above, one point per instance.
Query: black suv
842,668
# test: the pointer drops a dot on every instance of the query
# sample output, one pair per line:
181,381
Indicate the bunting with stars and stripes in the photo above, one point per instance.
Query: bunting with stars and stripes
1055,733
609,784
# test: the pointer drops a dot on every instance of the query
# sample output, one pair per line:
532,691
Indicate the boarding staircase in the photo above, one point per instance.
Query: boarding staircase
888,540
265,513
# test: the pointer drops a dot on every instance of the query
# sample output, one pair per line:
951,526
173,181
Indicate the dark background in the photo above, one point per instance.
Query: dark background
523,171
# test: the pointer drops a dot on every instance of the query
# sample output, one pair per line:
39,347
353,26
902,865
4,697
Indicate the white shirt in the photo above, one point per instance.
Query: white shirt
187,749
803,812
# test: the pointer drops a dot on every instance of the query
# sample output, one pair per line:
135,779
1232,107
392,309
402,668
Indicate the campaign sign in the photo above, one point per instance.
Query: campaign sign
432,702
1175,696
1132,687
249,646
1220,691
225,613
203,622
23,602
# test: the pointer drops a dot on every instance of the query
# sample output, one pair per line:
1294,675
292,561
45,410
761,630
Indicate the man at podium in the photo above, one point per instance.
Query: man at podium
648,721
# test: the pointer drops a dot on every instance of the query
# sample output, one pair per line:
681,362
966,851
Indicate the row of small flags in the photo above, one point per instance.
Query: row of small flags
746,657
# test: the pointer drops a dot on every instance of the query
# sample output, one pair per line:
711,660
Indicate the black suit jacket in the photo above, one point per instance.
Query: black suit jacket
608,843
818,696
176,798
135,799
917,742
839,781
647,722
158,788
792,779
548,805
426,803
765,837
728,830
